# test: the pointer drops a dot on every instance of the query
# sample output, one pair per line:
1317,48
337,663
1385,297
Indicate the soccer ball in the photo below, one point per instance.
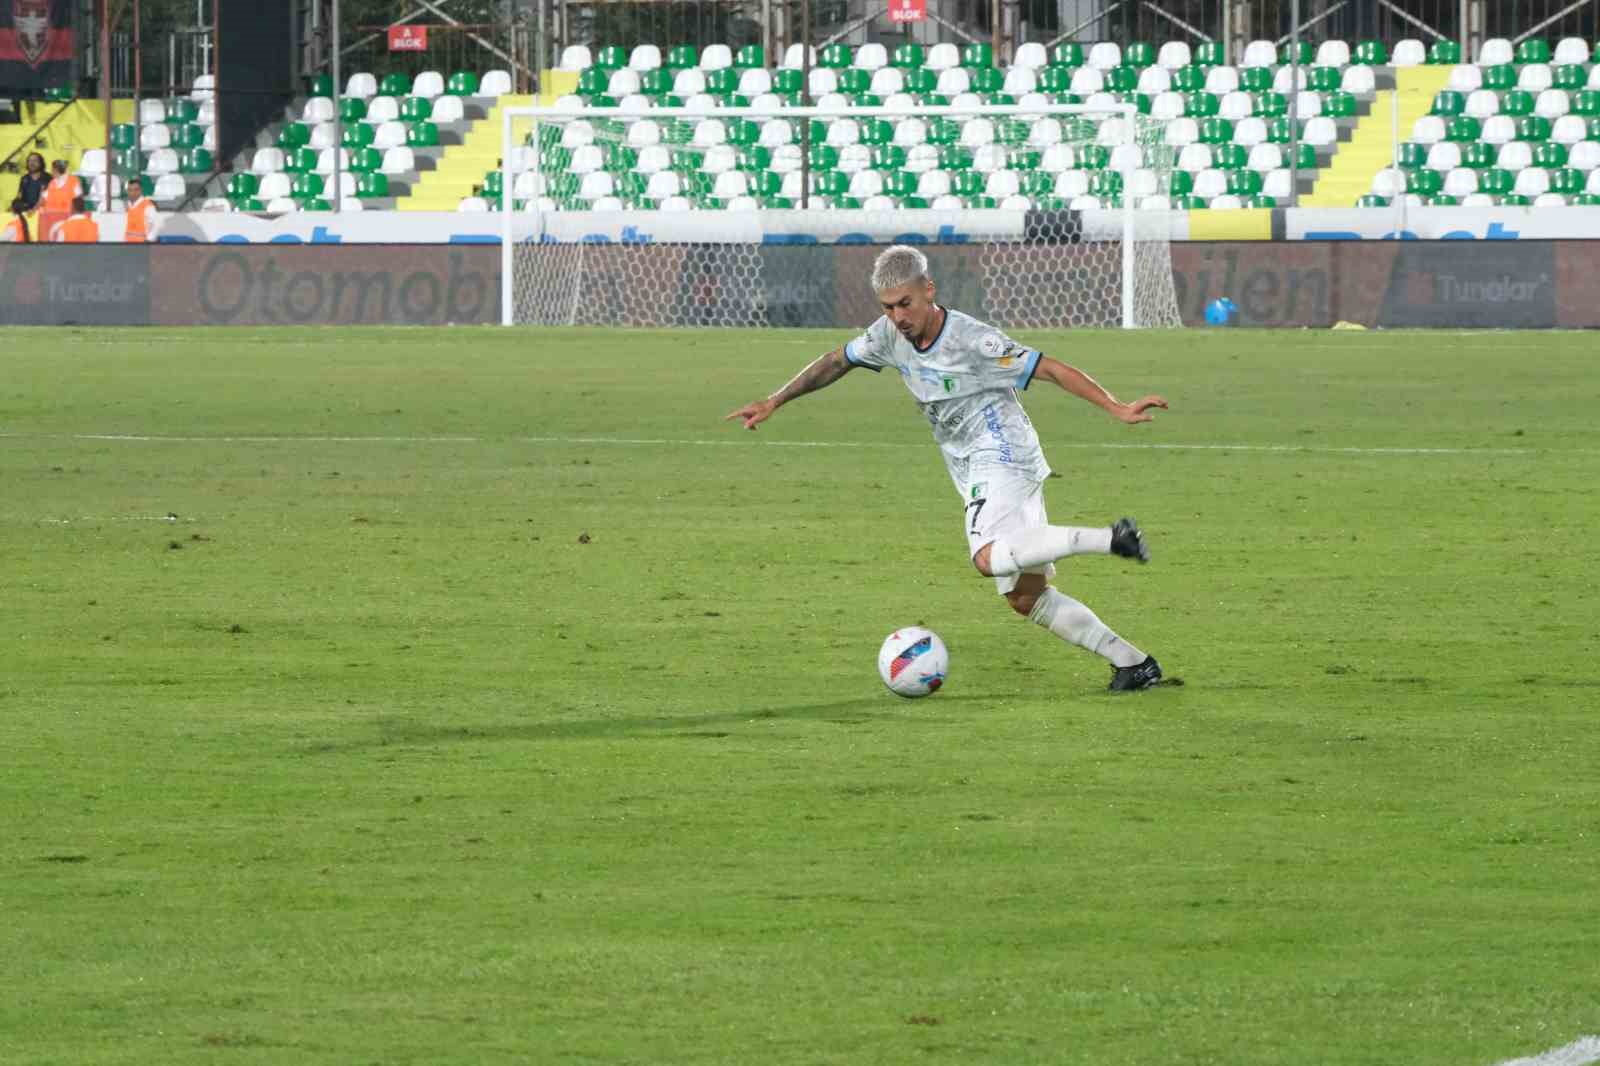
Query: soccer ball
913,662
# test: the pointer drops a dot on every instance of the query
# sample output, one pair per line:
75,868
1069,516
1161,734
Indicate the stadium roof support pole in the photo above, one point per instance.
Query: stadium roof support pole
507,205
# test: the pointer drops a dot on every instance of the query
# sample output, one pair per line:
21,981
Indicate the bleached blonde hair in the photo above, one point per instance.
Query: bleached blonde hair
898,265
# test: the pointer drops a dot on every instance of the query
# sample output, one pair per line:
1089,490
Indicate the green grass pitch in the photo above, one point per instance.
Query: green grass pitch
468,696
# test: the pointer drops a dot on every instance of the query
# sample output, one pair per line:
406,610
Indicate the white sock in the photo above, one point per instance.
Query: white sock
1044,544
1076,624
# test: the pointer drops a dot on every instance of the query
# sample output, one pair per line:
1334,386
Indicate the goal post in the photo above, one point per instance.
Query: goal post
1051,214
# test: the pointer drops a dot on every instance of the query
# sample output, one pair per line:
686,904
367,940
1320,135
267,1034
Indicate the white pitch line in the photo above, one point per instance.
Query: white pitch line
731,442
1580,1052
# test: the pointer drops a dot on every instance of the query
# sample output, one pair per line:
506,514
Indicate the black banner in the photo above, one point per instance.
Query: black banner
36,45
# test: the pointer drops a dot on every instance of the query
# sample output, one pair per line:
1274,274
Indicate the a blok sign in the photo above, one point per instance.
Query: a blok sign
908,10
408,38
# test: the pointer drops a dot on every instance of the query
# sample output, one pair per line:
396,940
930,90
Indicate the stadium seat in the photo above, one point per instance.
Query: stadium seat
716,57
462,83
1496,51
267,161
204,87
495,83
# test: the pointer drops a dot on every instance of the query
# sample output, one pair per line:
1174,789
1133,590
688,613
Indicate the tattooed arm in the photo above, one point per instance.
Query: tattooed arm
822,372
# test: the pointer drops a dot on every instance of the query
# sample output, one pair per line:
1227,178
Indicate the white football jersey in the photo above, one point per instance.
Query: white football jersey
966,383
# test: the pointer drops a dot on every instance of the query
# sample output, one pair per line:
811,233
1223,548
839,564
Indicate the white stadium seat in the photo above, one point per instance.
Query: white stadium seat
1030,56
1552,104
1259,54
381,109
1465,78
1278,184
1265,158
1429,129
1226,202
1585,156
1105,55
1086,80
1222,80
153,137
1571,51
273,186
1496,51
1358,81
755,82
473,205
1333,53
623,82
448,109
1071,183
398,160
1249,132
281,205
362,85
1535,77
575,57
716,57
1461,182
731,183
1482,103
389,135
1154,80
644,57
325,159
675,203
1497,129
317,109
1155,203
1446,155
1515,156
887,81
943,56
152,111
494,83
93,162
794,56
1174,55
1569,129
871,56
1209,184
267,161
204,88
428,85
1409,53
322,136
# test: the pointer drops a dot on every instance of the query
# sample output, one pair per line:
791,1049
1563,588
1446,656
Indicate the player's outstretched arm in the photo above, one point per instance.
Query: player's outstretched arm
1085,387
822,372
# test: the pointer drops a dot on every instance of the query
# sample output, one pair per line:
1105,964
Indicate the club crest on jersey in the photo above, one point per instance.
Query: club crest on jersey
992,346
977,490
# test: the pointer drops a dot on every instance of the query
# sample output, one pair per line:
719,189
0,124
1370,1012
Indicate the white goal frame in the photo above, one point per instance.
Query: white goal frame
509,144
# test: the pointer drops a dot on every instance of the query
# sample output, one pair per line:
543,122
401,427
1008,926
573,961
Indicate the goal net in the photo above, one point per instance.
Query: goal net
1044,217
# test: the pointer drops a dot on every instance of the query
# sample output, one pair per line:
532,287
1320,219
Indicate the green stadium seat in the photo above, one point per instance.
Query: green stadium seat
1209,54
592,81
1339,105
1370,54
1216,131
1533,128
1496,182
1424,182
943,131
460,83
980,203
749,57
181,110
60,94
987,80
126,135
358,135
1463,128
1550,155
657,82
394,84
300,161
1105,183
854,80
1371,200
127,163
1499,78
831,183
899,184
1286,53
312,203
352,109
786,80
1515,200
1244,182
1533,50
1181,183
1139,54
306,186
966,183
1123,79
1570,77
1478,155
834,56
876,131
611,57
242,185
955,157
977,55
1259,202
1255,80
681,57
1444,53
741,132
1185,79
1067,54
823,158
1307,159
415,109
365,160
1188,202
1269,105
1201,105
1448,104
1441,200
889,158
1592,125
1586,103
422,135
187,135
320,85
1023,159
1323,79
907,55
1567,181
1585,199
1517,103
726,80
1279,131
1412,155
1036,184
1230,157
1093,157
754,158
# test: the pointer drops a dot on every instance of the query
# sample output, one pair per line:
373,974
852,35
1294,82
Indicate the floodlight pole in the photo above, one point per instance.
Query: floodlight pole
338,116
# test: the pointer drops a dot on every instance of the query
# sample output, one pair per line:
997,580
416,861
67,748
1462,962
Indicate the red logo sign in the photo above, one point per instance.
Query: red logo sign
31,20
408,38
908,10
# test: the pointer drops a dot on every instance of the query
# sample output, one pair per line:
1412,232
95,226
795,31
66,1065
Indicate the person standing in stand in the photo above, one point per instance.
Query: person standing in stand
143,218
58,198
30,187
19,230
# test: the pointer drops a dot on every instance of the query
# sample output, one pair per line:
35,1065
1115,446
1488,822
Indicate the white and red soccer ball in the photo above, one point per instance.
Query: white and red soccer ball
913,662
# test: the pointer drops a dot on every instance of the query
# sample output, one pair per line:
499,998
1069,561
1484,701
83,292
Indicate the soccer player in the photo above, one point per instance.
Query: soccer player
965,375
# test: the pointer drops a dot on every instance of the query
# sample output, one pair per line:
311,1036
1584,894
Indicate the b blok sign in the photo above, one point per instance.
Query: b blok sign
908,10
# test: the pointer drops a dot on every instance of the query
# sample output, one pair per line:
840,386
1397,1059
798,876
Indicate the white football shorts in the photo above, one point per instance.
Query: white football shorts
1003,502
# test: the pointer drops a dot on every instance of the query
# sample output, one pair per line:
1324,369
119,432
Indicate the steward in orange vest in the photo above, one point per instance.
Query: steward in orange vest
56,203
142,215
19,230
79,228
